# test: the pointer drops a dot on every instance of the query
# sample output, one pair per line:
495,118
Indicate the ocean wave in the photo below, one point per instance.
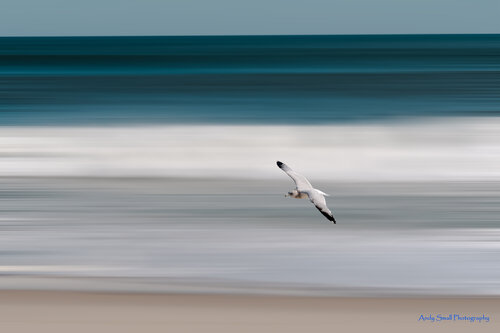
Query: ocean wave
431,149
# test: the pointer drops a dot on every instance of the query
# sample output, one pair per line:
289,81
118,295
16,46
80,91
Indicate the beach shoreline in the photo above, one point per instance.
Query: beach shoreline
72,311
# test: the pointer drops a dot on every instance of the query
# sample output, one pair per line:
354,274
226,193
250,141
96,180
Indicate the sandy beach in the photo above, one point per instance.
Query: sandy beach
50,311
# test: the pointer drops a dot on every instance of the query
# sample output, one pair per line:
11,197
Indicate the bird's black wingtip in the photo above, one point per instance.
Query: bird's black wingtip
279,163
328,216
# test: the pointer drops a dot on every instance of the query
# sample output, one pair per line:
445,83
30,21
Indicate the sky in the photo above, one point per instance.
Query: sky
250,17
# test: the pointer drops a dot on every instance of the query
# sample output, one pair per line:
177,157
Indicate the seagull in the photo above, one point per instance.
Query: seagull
304,190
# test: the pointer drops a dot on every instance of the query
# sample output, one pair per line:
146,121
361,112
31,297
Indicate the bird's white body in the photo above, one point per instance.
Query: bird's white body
297,195
304,190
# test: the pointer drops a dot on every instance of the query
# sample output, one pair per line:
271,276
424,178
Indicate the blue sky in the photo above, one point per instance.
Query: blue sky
254,17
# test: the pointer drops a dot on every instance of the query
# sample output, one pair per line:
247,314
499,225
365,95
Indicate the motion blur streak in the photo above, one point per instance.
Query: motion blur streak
148,163
172,234
444,149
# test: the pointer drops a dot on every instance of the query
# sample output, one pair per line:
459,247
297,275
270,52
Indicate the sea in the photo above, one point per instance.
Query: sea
149,164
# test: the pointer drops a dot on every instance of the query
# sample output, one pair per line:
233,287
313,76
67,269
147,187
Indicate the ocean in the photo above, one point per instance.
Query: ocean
246,79
148,163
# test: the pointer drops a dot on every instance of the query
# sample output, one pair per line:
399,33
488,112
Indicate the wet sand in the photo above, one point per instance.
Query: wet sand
48,311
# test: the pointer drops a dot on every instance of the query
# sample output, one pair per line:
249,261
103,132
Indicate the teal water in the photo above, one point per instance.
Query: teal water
246,79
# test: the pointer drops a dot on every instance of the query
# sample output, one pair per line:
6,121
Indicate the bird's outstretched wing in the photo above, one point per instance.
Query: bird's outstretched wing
301,182
318,200
315,196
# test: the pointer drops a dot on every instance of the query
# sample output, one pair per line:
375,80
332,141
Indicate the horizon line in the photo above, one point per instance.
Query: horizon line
252,35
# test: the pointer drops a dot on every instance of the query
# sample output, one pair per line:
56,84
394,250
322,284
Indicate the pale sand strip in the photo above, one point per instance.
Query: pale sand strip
45,311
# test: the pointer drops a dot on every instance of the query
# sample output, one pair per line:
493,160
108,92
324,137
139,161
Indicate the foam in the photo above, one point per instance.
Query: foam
432,149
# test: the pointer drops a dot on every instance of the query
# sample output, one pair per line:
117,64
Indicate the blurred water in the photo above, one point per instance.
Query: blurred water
436,238
153,158
252,79
456,149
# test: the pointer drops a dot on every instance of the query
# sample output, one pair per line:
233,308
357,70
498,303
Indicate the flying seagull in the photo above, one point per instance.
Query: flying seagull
304,190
